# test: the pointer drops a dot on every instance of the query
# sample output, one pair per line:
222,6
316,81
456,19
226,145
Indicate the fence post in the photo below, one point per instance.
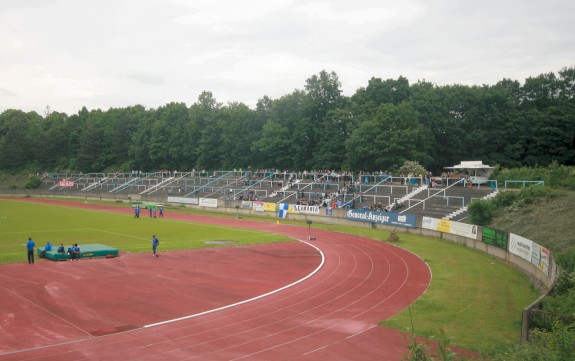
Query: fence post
525,326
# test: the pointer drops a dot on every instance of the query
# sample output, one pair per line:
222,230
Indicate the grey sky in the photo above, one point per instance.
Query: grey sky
116,53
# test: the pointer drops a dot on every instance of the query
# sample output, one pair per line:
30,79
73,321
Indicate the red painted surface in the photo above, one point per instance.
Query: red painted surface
98,309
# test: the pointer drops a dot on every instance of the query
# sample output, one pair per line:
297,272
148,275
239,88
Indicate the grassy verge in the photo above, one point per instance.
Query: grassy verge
472,297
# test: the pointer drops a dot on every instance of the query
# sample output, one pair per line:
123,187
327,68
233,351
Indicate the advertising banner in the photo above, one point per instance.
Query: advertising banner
494,237
464,229
258,206
535,254
447,226
436,224
193,201
270,207
545,260
209,202
296,208
246,205
520,246
66,183
395,219
540,257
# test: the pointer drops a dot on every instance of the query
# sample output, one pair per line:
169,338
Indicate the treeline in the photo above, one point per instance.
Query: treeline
377,128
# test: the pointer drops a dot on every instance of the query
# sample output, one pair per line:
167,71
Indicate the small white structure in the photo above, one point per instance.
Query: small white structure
478,172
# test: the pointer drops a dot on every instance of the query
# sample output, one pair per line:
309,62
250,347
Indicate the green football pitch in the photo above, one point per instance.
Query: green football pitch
59,224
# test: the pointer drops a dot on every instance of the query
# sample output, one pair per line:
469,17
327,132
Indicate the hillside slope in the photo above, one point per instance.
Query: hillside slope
549,221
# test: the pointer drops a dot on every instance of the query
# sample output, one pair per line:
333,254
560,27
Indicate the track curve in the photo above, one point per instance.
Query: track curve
332,314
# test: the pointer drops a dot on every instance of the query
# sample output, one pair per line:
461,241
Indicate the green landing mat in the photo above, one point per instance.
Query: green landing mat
86,251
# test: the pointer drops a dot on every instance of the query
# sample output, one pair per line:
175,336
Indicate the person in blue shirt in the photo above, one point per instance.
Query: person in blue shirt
61,248
77,253
47,248
161,212
30,246
155,243
71,253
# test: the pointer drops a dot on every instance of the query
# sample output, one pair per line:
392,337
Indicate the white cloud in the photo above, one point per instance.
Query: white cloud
101,54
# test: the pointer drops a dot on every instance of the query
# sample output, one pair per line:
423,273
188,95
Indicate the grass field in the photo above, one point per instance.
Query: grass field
473,298
20,220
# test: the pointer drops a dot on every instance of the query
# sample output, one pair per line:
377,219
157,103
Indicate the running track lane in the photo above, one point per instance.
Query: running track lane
333,315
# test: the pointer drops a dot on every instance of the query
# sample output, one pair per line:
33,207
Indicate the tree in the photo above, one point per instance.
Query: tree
52,148
330,150
17,131
322,95
392,137
91,150
271,150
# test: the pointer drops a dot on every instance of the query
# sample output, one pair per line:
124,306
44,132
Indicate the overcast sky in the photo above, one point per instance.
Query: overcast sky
116,53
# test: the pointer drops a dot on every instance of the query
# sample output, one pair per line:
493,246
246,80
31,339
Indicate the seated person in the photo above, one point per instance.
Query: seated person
71,253
47,248
61,249
77,253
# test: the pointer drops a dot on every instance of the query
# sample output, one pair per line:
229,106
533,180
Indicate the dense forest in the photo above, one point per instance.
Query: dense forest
377,128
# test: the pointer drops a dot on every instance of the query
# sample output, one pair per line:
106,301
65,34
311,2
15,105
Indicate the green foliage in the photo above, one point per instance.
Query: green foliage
393,236
564,289
557,345
555,175
421,351
378,128
417,351
566,260
481,212
504,199
519,200
33,182
412,167
562,301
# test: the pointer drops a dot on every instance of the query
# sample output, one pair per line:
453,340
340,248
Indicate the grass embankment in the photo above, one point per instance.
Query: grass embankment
545,218
472,297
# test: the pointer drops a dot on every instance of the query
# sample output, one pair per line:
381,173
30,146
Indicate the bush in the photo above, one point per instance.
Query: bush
505,199
33,182
393,236
557,345
481,212
413,167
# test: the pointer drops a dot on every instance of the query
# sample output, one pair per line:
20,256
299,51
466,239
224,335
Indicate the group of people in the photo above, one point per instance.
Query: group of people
155,211
74,252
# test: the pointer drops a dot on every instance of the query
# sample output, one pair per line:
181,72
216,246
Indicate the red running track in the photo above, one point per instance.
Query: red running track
308,300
